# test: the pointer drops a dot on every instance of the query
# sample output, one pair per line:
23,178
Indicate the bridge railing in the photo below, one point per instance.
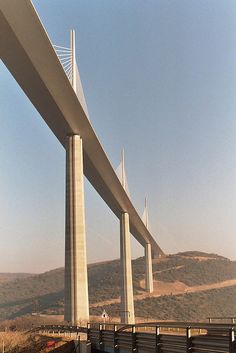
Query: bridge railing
156,338
225,319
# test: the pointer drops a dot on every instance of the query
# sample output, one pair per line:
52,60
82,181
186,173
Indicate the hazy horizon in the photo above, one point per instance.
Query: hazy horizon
160,81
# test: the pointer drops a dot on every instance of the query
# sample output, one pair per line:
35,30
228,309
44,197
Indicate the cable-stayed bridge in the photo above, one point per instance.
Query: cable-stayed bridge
49,76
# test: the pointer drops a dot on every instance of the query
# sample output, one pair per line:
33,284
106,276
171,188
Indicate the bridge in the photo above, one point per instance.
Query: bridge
56,93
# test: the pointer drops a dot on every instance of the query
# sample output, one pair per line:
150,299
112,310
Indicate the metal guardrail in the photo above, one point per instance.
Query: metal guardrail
225,319
155,337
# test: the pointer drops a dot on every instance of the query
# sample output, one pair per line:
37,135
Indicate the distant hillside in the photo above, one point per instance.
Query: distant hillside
200,254
26,295
7,277
183,307
191,284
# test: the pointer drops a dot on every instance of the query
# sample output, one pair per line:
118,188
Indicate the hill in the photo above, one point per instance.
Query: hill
7,277
182,307
190,285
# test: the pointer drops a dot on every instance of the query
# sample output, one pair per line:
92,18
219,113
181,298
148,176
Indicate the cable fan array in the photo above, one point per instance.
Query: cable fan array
120,175
145,217
65,56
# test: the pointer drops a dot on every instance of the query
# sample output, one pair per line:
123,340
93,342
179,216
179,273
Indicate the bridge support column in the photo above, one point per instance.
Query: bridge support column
148,272
76,282
127,298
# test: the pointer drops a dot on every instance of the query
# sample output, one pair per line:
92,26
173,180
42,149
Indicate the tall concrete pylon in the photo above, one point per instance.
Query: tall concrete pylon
127,297
76,281
148,255
148,268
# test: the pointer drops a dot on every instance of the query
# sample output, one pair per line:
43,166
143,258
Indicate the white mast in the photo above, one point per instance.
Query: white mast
73,60
123,169
146,220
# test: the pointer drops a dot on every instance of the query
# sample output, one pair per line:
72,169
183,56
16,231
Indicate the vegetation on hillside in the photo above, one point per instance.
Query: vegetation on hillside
185,307
7,277
194,272
44,293
200,254
27,295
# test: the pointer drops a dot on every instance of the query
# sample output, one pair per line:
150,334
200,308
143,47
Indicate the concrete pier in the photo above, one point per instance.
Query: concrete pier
148,269
76,282
127,298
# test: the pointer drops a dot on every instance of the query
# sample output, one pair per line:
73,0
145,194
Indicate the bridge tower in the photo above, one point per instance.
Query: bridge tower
148,255
76,282
127,297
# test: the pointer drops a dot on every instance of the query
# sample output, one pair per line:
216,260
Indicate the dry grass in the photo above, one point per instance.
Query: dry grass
14,340
25,342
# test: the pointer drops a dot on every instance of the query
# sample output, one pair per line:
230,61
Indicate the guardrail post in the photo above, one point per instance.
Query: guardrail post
188,339
100,335
115,339
134,348
231,340
158,340
88,332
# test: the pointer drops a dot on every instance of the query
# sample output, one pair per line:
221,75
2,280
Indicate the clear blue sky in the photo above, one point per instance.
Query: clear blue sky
160,80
